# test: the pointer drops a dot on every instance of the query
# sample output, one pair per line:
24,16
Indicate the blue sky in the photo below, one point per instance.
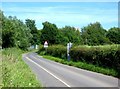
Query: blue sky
77,14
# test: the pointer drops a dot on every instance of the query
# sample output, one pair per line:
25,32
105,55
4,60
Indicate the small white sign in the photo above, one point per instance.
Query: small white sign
45,44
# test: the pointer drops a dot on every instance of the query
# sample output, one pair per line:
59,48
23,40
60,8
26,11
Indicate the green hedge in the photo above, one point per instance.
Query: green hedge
57,51
106,56
54,50
41,49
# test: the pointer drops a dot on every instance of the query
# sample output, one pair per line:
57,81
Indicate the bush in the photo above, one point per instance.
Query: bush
106,56
41,49
57,51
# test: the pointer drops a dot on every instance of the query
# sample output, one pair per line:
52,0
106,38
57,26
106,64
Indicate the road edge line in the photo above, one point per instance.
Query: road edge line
49,72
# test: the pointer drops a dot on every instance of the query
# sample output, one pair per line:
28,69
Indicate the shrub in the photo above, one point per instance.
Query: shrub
106,56
41,49
57,51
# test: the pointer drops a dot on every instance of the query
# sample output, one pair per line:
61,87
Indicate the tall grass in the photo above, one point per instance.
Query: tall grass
0,69
15,72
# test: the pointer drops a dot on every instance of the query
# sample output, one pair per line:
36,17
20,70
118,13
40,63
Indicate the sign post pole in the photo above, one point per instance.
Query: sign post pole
69,45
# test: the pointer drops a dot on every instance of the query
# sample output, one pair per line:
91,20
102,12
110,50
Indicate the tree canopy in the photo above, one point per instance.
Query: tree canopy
114,35
49,33
33,30
71,34
16,33
94,34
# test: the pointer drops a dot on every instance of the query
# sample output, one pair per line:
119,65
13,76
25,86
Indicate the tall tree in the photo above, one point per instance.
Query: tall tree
72,34
49,33
114,35
1,16
14,33
33,30
94,34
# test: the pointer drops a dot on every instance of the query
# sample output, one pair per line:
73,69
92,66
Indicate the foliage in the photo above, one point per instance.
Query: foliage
71,34
1,16
17,34
105,56
15,72
33,30
84,65
40,49
54,50
14,33
114,35
94,34
49,33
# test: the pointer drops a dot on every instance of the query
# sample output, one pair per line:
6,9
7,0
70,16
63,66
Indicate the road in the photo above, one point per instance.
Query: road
53,74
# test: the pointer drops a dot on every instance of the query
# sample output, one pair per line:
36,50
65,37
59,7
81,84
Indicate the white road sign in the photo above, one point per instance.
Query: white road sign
45,44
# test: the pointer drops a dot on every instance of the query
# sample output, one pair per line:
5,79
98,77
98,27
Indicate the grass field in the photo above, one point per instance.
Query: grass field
15,72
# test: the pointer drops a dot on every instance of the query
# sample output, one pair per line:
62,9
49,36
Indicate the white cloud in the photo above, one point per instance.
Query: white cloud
63,15
68,19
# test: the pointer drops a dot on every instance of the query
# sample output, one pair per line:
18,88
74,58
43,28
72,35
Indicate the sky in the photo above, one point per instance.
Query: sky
76,14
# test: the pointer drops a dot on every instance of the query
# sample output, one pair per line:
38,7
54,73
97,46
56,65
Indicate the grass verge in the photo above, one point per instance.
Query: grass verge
15,72
0,69
83,65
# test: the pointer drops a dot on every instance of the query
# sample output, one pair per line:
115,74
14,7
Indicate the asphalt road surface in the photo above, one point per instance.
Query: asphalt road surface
53,74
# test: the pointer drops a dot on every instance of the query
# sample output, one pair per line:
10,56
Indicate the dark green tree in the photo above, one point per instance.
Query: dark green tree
14,33
114,35
49,33
33,30
71,34
94,34
1,16
8,39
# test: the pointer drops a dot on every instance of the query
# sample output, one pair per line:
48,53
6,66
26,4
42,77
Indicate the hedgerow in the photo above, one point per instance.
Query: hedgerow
106,56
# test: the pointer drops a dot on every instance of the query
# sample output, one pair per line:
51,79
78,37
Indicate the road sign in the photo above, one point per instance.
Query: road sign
45,44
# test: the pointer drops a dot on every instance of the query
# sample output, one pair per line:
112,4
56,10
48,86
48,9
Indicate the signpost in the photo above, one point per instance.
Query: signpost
69,45
46,46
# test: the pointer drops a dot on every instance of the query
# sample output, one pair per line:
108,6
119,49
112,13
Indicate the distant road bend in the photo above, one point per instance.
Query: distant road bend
52,74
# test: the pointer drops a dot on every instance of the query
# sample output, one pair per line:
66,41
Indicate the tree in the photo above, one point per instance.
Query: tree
49,33
14,33
33,30
72,34
94,34
7,33
114,35
1,16
38,36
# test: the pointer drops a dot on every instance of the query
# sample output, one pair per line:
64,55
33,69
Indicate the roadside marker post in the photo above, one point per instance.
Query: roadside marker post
69,45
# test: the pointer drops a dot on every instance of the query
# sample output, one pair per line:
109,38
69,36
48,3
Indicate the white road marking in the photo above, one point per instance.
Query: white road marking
102,83
49,72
